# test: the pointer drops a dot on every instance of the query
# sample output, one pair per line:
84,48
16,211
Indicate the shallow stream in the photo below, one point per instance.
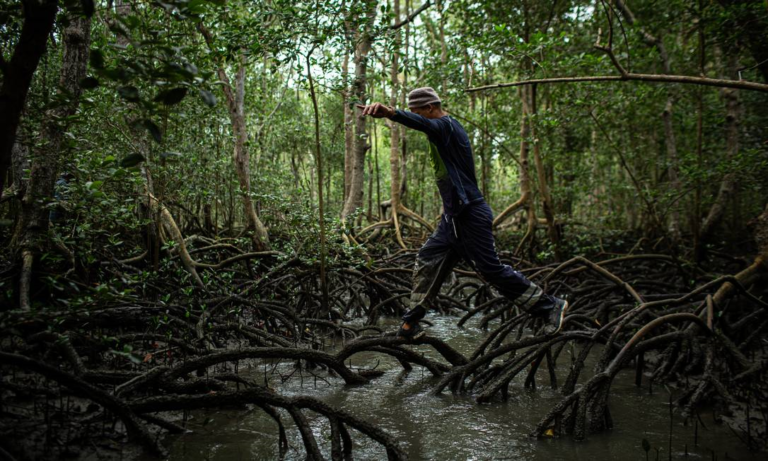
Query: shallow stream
452,427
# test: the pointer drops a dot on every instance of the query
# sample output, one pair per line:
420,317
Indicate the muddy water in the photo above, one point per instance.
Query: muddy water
454,427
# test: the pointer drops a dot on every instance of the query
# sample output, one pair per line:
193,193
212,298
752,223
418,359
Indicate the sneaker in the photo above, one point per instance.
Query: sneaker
411,330
555,318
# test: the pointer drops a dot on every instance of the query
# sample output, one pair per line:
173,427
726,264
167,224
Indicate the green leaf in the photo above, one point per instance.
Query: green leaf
131,21
173,96
153,129
89,83
129,93
93,185
208,98
131,160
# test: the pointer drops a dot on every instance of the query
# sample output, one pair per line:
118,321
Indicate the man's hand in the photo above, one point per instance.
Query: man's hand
376,110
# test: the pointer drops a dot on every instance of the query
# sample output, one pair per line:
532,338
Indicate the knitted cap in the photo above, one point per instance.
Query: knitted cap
421,97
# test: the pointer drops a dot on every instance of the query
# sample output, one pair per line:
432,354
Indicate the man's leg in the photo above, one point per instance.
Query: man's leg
478,246
434,263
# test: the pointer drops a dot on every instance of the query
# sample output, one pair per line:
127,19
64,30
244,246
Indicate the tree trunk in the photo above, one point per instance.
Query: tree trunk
728,184
669,133
395,133
546,198
17,75
168,225
242,158
236,108
443,48
32,229
402,90
321,215
365,40
525,181
349,131
485,152
19,164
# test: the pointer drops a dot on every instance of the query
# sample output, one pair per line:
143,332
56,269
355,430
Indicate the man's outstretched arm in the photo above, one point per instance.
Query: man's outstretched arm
408,119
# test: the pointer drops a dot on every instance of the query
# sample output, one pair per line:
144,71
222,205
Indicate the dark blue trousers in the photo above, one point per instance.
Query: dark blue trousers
468,236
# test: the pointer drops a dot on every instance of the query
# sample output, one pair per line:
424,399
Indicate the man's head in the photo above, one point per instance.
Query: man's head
425,102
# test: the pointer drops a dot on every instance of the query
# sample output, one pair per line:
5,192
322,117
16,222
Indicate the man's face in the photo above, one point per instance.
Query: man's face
425,111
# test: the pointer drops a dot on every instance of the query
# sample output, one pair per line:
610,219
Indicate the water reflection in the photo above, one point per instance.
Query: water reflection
449,427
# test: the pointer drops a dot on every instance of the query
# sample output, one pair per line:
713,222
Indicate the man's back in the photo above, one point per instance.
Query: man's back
449,148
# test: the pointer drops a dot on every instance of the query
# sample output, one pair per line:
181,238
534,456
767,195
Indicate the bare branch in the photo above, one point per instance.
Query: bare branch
655,78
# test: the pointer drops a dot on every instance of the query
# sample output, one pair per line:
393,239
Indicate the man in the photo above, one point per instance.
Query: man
465,226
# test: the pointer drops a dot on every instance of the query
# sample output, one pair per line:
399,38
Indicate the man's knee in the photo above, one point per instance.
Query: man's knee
492,270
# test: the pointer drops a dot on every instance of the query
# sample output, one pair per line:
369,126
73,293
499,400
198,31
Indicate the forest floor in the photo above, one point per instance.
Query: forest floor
128,356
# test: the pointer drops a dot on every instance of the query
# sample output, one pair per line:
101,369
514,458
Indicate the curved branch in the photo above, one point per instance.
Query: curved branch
629,76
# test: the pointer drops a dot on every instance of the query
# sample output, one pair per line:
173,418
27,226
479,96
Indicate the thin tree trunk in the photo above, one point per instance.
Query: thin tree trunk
357,179
402,90
236,106
696,221
378,175
168,225
443,47
349,131
729,182
546,198
669,133
319,157
394,144
525,182
369,211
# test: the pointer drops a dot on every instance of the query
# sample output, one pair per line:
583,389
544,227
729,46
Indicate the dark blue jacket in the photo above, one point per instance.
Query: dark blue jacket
454,148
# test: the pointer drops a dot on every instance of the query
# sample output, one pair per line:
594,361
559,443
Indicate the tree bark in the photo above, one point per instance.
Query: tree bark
395,132
235,99
349,131
32,228
362,48
17,76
